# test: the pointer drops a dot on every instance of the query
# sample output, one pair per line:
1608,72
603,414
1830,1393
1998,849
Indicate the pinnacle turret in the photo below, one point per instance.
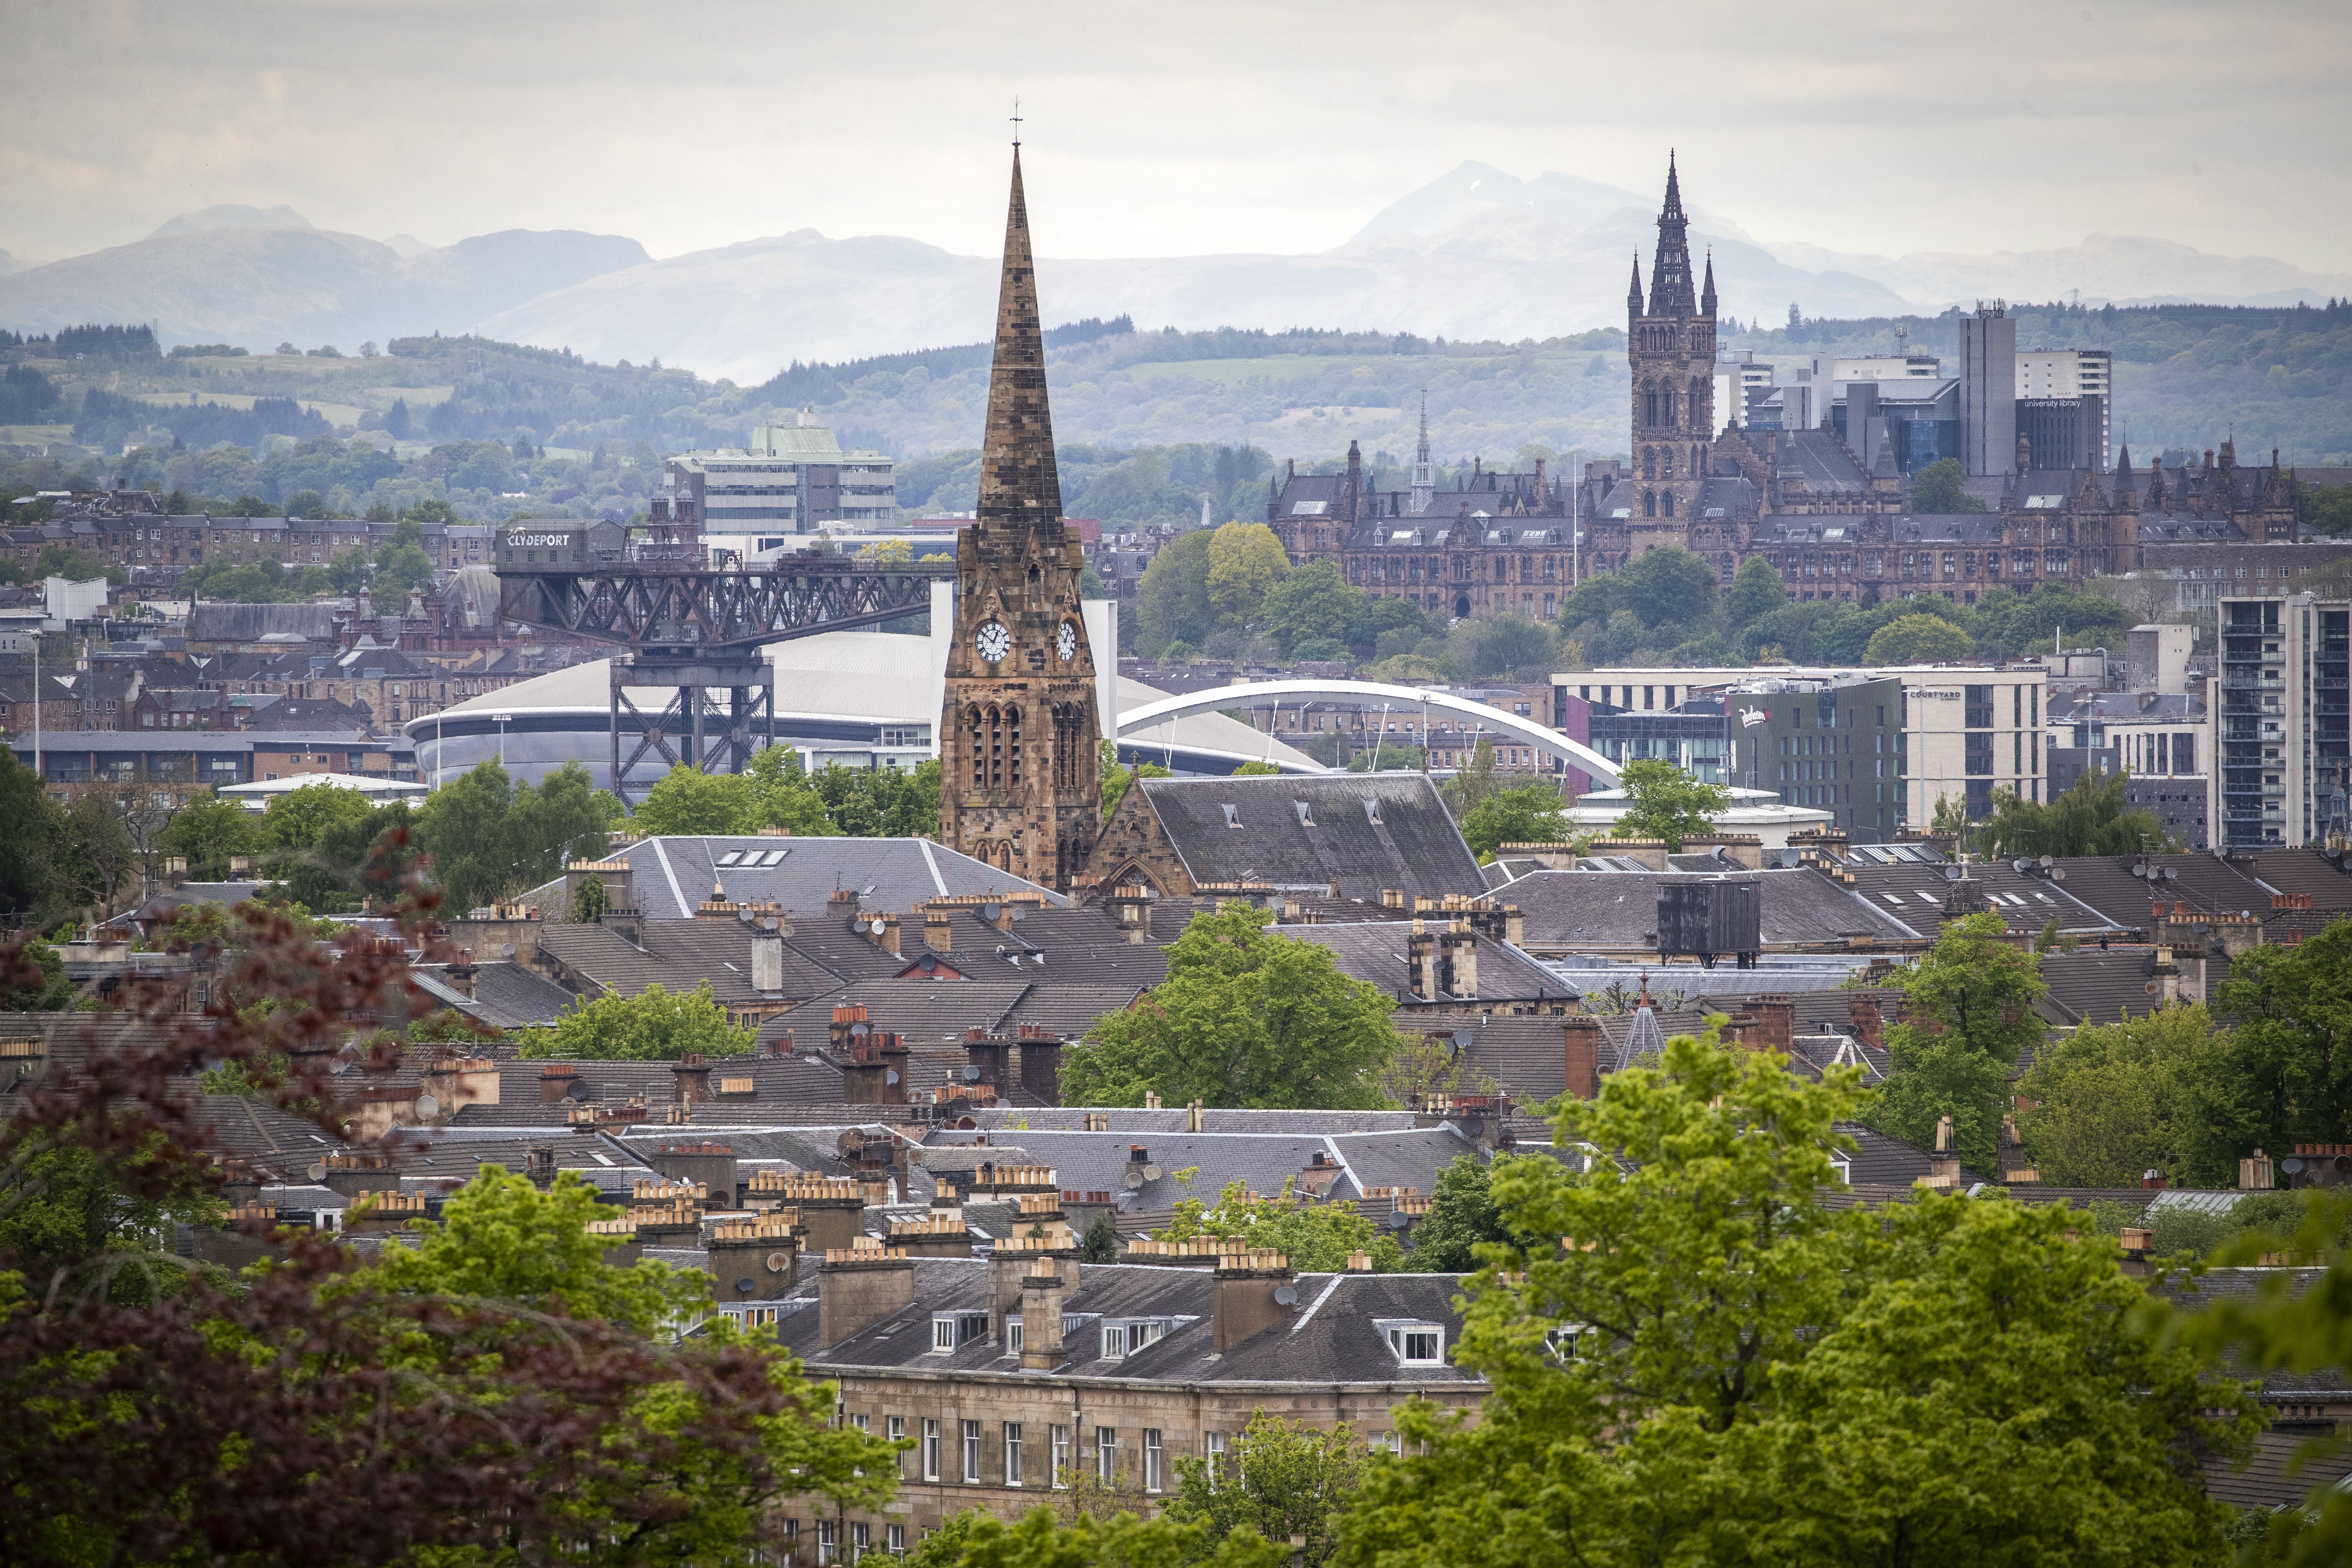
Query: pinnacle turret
1670,274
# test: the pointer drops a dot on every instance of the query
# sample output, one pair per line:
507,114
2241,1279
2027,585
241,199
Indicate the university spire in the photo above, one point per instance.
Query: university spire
1670,274
1019,485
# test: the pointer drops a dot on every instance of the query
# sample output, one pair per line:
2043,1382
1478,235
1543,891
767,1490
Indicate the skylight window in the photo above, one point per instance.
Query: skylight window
731,858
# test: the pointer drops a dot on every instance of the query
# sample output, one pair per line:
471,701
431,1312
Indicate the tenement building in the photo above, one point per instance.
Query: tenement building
1828,506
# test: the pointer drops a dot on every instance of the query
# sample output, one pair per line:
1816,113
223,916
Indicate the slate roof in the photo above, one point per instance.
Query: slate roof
674,874
1360,833
1262,1160
2204,882
1915,893
511,996
213,621
1328,1335
678,955
1567,911
2094,987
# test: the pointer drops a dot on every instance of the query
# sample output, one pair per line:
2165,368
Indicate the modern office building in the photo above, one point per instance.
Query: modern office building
2065,432
791,480
2279,721
1988,390
1969,732
1838,746
2073,375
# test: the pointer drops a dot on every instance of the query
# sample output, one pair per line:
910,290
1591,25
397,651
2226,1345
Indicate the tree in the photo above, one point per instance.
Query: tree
2108,1099
1282,1481
2283,1073
1667,586
1247,1018
1462,1218
1967,1014
979,1539
1317,1238
1245,561
1938,491
333,876
295,820
29,835
1717,1365
1918,639
94,857
486,837
2094,816
685,800
347,570
1314,602
394,1411
1664,802
1171,599
402,568
1529,813
655,1025
1507,643
1757,591
43,988
207,831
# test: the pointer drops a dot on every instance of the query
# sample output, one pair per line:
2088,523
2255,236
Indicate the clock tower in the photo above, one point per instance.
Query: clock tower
1020,766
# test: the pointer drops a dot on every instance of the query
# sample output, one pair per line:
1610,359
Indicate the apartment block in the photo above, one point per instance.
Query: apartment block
2279,723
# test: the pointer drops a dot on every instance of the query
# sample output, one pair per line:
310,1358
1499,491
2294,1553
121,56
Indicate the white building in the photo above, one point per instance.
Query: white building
791,480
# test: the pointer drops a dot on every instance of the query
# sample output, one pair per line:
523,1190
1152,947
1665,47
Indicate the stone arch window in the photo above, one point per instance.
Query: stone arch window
1649,406
1013,744
1698,399
995,747
1666,464
977,725
1667,406
1649,504
1649,462
1698,462
1667,504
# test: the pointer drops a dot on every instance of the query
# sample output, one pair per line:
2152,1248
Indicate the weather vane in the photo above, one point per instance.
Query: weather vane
1016,119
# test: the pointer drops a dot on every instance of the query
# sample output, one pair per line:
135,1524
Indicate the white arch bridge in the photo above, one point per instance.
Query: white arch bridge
1395,699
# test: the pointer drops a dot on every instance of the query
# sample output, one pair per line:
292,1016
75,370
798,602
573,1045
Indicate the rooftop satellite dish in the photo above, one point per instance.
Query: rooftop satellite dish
890,1076
1134,1180
339,1067
746,1285
1399,1219
2057,873
877,927
505,949
972,1075
1952,873
1150,1173
2047,862
771,922
2172,873
1476,1126
2150,987
1286,1296
2291,1165
318,1172
781,1262
2020,866
427,1107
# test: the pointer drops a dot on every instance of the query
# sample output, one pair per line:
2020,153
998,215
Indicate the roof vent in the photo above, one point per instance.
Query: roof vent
1371,811
1306,818
1233,817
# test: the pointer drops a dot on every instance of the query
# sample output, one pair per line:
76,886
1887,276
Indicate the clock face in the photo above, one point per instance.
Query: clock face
994,642
1066,642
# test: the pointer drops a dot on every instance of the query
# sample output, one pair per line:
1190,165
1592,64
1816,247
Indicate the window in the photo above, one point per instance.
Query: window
1060,1458
1105,1453
1013,1332
942,1333
861,1537
1114,1339
1216,1446
825,1549
930,1449
1151,1458
894,1428
1418,1344
971,1453
897,1540
1013,1453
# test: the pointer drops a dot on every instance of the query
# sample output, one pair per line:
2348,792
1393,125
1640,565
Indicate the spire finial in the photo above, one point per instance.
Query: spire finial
1016,119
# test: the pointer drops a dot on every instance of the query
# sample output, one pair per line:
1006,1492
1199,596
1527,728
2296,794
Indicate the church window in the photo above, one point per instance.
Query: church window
1012,745
978,747
1649,504
1667,406
1649,462
1551,569
1667,504
1666,464
1649,406
1697,402
995,748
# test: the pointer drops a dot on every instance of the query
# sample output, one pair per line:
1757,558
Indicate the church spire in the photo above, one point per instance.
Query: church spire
1634,295
1670,274
1706,296
1019,485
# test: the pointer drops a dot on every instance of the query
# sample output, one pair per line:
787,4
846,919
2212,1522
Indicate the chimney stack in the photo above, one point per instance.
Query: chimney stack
693,1079
754,1259
539,1165
1247,1301
1040,1320
859,1285
938,934
1580,1043
1869,1024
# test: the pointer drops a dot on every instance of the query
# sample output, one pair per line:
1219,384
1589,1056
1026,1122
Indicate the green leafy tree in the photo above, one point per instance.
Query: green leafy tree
1526,813
1282,1481
1317,1238
47,990
1717,1365
2283,1073
488,837
1664,802
351,861
2108,1099
1256,770
28,834
1043,1540
94,858
1245,561
1117,777
781,796
1462,1218
1100,1243
1918,639
2095,816
297,820
1247,1018
1506,643
1171,599
1967,1014
590,903
402,570
1309,604
685,800
1757,591
1667,586
656,1025
347,570
1938,490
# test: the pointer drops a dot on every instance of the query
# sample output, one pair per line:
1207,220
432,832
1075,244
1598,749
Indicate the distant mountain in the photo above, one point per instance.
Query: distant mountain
407,244
1479,190
258,286
2121,268
10,263
231,216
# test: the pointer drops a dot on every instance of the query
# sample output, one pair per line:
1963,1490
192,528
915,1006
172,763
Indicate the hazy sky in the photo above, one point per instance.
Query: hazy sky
1174,128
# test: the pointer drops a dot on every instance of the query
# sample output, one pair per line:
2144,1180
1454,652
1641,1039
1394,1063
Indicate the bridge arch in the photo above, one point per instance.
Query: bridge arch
1261,693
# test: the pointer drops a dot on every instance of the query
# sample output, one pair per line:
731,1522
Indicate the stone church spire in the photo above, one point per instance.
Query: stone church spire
1634,295
1670,274
1019,484
1706,295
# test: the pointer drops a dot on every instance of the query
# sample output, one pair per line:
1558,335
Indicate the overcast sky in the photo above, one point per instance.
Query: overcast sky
1174,128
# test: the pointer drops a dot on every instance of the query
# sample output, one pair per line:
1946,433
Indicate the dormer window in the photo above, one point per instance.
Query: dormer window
1416,1343
950,1330
1114,1340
